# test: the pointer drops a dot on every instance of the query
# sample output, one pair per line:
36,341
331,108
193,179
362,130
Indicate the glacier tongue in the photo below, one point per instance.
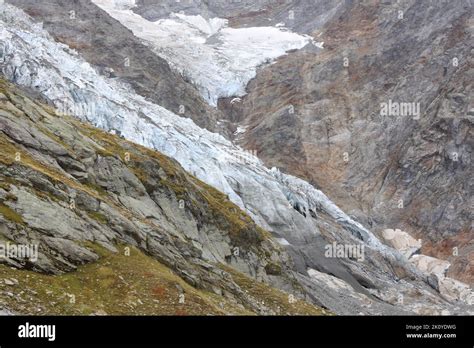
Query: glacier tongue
31,58
219,60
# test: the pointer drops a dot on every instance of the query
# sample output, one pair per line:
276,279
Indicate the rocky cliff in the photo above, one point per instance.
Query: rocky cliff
320,115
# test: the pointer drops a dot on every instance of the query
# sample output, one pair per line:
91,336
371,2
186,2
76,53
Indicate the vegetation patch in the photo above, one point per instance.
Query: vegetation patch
116,284
101,218
10,214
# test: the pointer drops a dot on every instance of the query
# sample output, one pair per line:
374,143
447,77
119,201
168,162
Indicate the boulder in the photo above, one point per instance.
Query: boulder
456,291
428,264
402,241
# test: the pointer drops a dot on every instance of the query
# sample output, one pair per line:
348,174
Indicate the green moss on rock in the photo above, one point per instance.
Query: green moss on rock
10,214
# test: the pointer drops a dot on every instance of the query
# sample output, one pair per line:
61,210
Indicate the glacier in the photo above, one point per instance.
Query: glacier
75,87
193,45
278,202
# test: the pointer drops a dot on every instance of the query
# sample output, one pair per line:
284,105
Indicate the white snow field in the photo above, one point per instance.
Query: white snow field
220,61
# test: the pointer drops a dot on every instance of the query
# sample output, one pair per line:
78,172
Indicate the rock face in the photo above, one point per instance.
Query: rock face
303,219
436,269
456,291
320,116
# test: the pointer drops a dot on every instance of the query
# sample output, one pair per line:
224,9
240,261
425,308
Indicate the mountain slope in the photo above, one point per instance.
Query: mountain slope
85,197
300,217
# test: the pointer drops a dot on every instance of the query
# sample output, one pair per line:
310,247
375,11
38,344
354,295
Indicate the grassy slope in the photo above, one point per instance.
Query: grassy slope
131,283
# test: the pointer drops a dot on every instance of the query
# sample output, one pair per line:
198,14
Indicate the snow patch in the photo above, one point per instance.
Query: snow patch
282,241
241,130
218,59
